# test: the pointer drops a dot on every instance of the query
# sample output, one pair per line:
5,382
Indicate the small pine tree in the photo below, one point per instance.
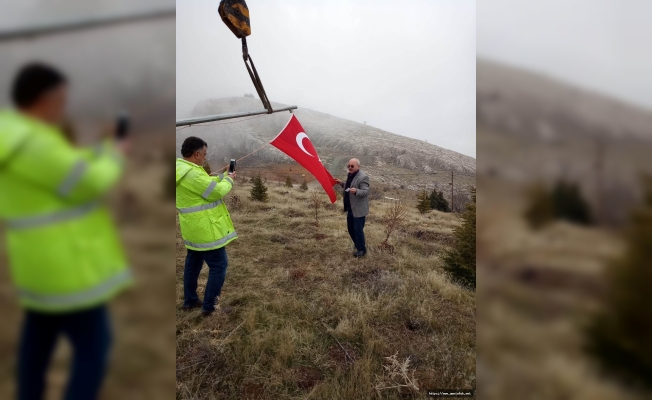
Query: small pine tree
541,208
424,202
460,260
207,167
569,203
258,191
565,202
618,335
438,202
288,182
304,186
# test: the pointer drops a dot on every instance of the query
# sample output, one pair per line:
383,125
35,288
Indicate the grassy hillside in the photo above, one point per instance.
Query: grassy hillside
301,318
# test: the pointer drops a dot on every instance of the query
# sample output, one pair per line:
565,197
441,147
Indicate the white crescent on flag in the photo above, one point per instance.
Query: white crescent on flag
300,137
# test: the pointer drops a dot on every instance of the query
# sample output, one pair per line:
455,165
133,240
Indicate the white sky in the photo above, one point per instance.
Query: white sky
601,45
406,67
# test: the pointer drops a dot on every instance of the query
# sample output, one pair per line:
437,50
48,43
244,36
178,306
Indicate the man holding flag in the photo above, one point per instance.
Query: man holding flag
294,142
356,204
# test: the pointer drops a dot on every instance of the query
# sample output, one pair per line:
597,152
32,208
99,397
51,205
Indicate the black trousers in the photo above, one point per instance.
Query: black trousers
356,230
90,336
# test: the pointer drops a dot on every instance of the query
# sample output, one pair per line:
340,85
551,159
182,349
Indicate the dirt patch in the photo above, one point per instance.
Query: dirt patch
414,324
307,377
386,248
320,236
431,236
297,273
293,213
376,280
343,354
279,239
548,278
253,390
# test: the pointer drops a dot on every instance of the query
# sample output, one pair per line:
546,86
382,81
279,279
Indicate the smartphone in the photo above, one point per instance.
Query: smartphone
122,126
232,166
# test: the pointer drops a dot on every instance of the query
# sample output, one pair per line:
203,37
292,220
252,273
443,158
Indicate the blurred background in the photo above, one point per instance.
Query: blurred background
129,66
564,133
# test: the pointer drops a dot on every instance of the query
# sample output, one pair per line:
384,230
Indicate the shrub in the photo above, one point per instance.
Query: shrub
541,209
375,194
564,201
234,203
258,191
424,202
393,218
288,182
569,203
618,335
438,202
304,186
315,203
460,260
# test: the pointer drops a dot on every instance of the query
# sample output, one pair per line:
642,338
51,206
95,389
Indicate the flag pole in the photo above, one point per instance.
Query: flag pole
220,117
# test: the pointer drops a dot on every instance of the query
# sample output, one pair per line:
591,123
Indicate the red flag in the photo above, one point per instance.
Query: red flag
294,142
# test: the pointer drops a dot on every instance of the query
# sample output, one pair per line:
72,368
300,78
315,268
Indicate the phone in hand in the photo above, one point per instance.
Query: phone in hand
232,166
122,126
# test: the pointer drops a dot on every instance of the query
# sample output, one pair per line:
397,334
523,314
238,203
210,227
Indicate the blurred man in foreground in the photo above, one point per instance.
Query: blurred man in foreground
206,225
64,253
356,204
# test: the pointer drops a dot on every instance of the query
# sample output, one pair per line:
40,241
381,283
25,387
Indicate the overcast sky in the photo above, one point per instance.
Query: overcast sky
406,67
602,45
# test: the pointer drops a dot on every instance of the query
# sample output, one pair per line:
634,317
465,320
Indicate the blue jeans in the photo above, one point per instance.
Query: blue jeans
217,263
89,333
356,230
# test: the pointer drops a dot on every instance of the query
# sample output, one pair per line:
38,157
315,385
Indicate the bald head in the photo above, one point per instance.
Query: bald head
353,165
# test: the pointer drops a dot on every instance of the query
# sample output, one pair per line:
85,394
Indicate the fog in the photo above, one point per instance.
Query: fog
602,45
404,67
122,66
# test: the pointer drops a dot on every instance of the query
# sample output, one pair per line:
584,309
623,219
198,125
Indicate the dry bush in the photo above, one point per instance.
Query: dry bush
375,194
397,375
315,204
393,218
234,203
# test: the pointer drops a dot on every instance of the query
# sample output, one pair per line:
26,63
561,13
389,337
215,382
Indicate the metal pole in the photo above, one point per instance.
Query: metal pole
452,199
62,26
220,117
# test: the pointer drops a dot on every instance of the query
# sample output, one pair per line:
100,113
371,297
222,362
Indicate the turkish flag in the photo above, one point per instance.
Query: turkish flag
294,142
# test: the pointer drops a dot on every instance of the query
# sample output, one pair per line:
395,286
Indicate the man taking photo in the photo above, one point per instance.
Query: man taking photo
65,257
206,225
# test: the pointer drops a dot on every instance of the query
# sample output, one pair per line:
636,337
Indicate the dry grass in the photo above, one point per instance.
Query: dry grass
301,318
536,290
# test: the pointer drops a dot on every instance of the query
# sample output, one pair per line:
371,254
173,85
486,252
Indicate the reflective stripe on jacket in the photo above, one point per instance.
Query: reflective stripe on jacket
204,219
64,251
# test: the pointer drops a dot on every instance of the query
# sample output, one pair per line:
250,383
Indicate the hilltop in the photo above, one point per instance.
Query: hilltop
388,158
